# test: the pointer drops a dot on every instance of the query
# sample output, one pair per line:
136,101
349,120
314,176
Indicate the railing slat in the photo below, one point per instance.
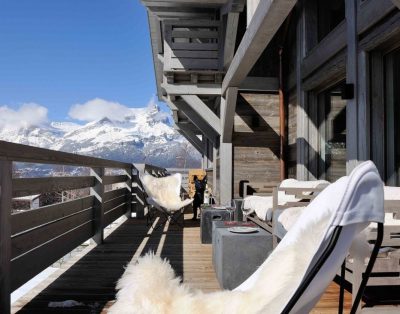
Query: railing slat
25,153
114,179
114,214
28,265
25,242
114,194
31,186
35,217
114,203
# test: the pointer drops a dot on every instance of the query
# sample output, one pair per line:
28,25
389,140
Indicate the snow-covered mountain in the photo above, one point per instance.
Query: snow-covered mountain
144,136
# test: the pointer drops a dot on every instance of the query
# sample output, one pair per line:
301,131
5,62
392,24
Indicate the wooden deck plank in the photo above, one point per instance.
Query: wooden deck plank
91,275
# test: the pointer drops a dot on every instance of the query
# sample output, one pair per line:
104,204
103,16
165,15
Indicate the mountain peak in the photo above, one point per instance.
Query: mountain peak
144,136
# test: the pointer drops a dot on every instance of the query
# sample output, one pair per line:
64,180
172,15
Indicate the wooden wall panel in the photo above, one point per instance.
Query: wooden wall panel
256,139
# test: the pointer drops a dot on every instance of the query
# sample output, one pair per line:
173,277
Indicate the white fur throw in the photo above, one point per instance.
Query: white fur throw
165,191
150,286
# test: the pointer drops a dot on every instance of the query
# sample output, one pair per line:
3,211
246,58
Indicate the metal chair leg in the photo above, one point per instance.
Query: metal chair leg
341,292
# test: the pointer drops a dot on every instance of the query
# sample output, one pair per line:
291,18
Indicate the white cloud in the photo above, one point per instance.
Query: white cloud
27,115
97,109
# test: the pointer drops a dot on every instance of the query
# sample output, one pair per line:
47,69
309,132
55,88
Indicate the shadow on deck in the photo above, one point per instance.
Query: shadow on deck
91,280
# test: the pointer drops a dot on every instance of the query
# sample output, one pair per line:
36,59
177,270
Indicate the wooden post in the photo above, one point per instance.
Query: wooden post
98,191
352,78
282,120
302,117
215,174
225,176
5,235
129,199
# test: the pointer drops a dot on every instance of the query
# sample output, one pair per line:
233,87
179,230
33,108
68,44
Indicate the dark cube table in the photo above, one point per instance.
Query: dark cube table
210,214
238,255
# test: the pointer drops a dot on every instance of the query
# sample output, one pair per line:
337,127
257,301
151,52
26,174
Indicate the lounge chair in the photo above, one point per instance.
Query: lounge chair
164,194
290,193
386,271
293,277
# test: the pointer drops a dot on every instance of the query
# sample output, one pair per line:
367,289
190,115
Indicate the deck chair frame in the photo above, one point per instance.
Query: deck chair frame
318,265
171,217
386,271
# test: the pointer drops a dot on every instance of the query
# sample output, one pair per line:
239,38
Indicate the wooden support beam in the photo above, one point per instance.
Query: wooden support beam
260,84
267,19
197,120
228,107
203,110
199,89
396,3
251,8
5,235
233,6
232,22
190,136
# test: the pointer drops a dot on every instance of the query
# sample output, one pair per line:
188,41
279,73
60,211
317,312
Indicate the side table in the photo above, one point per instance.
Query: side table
210,214
237,255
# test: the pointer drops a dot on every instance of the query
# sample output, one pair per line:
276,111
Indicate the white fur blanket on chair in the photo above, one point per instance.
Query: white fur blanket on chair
149,286
165,191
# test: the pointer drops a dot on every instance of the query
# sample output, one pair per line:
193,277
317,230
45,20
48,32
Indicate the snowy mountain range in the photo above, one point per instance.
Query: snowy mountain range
144,136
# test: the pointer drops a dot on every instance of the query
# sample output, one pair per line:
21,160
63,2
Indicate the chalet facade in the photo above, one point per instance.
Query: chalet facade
273,89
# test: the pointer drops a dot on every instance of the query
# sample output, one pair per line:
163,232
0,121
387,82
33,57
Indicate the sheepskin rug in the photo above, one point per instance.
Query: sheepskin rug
165,191
149,285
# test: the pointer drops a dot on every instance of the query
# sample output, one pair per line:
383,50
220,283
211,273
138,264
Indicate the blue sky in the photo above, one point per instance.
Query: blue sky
59,53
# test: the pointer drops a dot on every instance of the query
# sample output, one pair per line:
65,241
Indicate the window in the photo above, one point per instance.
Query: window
385,114
392,116
327,134
330,14
333,134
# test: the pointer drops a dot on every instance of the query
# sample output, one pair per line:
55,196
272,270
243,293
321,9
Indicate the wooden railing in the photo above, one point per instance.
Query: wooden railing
32,240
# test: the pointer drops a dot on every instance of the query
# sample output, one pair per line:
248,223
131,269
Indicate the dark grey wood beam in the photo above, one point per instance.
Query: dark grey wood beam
266,21
198,89
190,136
203,110
233,6
267,84
197,120
232,21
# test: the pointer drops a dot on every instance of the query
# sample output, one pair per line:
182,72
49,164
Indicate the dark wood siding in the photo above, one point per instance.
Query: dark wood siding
292,136
256,139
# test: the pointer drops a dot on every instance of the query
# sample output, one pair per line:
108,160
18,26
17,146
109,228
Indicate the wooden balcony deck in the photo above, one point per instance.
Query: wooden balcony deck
90,276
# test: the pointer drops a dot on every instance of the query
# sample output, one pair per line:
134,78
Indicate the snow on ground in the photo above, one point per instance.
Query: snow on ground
24,289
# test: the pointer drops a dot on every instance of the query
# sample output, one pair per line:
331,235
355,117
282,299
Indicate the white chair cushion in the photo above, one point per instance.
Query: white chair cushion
165,191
